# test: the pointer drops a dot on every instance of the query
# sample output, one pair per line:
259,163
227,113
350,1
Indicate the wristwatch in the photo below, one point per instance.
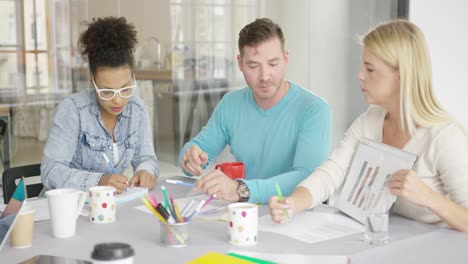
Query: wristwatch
243,191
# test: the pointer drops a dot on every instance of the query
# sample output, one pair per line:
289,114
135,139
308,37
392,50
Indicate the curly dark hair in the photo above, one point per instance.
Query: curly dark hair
259,31
108,42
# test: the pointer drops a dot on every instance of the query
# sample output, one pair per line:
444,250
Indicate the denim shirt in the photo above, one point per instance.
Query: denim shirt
77,138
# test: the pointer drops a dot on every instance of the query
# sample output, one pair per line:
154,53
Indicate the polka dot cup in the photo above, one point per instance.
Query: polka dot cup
243,224
101,204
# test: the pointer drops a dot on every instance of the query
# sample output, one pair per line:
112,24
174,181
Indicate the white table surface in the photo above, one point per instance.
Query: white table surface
410,242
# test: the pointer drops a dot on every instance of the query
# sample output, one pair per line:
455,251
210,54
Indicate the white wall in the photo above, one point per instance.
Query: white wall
444,24
324,55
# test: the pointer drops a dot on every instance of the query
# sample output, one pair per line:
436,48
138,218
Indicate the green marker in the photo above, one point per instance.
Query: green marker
280,195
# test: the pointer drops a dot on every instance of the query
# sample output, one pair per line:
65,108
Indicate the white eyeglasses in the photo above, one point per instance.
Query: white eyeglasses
124,92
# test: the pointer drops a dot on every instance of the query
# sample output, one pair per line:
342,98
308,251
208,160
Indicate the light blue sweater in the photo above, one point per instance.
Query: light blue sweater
282,144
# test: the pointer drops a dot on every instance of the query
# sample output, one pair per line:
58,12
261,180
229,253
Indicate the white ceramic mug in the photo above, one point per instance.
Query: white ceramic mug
102,204
64,207
243,224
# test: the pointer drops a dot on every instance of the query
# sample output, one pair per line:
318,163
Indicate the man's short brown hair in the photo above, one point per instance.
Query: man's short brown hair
259,31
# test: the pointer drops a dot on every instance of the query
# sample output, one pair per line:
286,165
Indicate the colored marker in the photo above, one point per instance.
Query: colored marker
165,214
166,197
188,184
212,197
109,163
195,212
281,198
187,208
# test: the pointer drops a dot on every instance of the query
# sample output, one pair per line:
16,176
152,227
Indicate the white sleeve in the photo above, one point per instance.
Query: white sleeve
329,177
451,161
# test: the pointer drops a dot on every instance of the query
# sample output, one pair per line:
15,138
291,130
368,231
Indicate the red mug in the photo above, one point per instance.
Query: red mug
235,170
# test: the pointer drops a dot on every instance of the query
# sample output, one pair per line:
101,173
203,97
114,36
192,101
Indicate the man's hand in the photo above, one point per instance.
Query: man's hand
193,160
216,182
143,179
120,182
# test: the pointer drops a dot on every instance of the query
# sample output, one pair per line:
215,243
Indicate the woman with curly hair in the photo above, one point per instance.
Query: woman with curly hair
96,133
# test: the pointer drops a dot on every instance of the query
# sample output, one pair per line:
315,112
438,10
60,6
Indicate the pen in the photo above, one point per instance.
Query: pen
212,211
195,212
109,163
187,208
281,198
209,200
181,183
111,166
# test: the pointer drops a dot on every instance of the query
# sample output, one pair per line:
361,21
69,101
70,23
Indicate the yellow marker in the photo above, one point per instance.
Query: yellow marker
151,208
177,212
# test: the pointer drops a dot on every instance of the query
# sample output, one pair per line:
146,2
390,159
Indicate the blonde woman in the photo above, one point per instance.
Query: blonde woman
395,78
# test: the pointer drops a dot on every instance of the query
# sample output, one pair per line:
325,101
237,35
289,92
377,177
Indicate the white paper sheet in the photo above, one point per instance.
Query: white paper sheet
295,258
312,227
42,209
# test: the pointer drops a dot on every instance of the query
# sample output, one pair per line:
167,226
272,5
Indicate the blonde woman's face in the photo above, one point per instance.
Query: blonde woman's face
379,82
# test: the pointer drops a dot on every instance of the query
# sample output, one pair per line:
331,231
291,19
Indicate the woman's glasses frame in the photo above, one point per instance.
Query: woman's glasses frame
118,91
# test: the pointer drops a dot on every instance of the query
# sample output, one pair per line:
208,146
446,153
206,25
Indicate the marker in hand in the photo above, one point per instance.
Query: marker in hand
111,167
281,198
109,163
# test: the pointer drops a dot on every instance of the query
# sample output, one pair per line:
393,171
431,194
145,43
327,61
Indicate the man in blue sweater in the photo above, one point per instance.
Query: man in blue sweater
279,130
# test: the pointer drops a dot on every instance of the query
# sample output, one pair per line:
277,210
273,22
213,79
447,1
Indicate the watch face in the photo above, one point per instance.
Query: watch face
243,190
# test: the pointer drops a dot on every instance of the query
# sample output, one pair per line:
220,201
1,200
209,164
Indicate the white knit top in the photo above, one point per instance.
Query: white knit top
442,163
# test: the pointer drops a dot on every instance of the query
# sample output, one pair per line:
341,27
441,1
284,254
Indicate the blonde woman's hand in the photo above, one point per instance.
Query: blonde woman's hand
407,185
278,209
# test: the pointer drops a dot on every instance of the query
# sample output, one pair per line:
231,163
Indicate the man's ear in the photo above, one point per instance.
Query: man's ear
239,61
286,56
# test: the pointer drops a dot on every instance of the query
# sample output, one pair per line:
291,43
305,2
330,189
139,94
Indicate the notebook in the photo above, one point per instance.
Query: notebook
10,214
373,164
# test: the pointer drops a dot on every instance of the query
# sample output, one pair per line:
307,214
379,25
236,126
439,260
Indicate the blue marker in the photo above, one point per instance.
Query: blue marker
111,166
181,183
109,163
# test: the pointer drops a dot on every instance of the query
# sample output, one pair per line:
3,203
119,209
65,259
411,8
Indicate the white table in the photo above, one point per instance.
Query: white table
410,242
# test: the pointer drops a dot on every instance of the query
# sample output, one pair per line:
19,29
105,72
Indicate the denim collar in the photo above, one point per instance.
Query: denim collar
96,110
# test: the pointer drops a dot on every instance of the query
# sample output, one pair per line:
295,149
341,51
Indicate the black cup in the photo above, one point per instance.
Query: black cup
112,251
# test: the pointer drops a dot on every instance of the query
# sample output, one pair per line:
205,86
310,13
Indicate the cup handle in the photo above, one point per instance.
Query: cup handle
81,202
217,166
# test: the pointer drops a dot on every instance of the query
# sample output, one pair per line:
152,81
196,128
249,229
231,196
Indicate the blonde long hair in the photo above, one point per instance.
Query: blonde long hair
402,46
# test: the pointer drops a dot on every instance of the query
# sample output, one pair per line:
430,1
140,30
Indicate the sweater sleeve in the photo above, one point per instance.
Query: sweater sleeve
312,148
212,138
329,177
451,161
